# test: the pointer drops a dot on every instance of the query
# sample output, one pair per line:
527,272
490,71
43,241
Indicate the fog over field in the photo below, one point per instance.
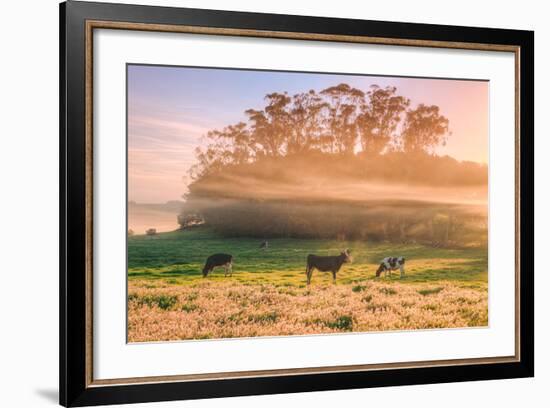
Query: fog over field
311,188
162,217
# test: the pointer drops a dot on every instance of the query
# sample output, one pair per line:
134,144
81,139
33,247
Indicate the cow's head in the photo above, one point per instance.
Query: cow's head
205,271
401,261
380,269
346,254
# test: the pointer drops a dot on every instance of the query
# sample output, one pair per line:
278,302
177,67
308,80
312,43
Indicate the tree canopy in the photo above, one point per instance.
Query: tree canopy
340,120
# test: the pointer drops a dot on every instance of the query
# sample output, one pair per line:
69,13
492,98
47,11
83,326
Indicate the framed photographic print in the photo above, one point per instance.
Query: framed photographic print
256,204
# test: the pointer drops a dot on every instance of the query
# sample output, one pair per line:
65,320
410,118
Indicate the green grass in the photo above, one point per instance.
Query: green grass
431,291
164,302
176,258
264,318
189,307
343,323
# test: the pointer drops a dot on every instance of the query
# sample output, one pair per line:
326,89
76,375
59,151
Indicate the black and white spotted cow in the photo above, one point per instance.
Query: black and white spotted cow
390,264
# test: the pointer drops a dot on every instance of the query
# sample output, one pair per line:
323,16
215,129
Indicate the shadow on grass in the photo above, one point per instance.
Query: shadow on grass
181,272
135,274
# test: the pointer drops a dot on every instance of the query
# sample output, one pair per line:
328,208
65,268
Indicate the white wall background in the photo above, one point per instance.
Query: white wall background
29,204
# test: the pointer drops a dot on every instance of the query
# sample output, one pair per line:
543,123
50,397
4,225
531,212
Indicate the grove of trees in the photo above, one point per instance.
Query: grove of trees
339,120
281,173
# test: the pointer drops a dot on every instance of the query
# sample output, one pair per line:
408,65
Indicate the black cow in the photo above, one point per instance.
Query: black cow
326,264
216,260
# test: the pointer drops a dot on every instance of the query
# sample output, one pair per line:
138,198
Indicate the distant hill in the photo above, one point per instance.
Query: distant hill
161,216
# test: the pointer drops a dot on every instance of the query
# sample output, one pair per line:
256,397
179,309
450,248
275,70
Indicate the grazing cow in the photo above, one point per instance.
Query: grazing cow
264,245
390,264
326,264
216,260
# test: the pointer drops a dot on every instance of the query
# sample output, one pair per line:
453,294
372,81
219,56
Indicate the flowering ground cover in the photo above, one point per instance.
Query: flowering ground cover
168,299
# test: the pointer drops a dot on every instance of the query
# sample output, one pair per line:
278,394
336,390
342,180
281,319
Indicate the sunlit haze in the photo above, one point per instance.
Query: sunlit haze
171,108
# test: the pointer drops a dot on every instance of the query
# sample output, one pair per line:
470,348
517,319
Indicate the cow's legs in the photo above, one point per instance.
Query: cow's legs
333,276
231,269
309,271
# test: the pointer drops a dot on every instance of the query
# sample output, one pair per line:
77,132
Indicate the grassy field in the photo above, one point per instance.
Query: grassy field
168,299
